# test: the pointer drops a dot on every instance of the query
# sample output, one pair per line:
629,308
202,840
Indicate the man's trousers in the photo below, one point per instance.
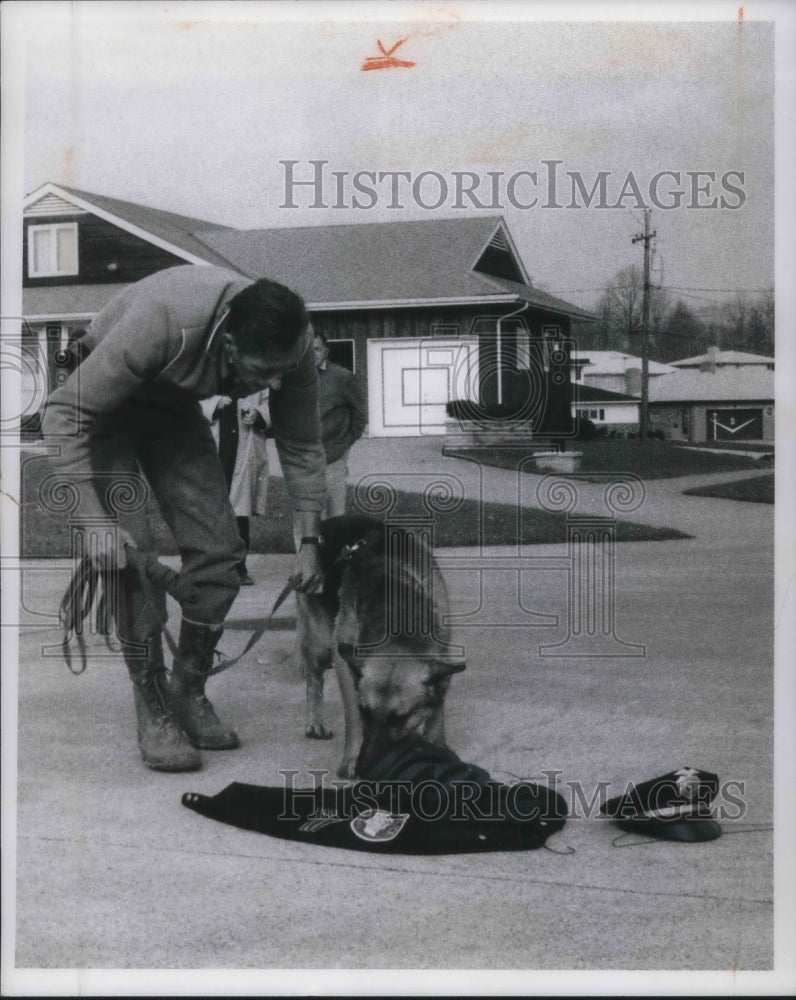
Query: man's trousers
161,438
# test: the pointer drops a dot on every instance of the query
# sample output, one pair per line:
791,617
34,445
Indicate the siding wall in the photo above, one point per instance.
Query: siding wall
98,245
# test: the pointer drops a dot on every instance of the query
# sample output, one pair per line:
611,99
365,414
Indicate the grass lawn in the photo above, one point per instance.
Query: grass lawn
764,447
758,489
471,523
647,459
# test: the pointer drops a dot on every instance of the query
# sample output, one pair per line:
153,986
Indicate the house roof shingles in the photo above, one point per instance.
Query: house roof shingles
379,262
595,394
724,358
728,386
385,263
615,363
369,262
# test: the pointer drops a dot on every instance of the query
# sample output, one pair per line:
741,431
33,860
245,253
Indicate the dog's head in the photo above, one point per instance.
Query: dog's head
399,696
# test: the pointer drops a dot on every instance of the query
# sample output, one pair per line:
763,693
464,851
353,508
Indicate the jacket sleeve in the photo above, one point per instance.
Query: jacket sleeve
359,413
136,347
295,417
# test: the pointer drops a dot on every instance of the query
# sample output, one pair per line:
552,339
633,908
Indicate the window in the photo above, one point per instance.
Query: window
341,352
551,336
52,250
444,330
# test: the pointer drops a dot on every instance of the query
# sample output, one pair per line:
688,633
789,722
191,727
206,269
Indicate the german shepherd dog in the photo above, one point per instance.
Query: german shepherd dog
380,621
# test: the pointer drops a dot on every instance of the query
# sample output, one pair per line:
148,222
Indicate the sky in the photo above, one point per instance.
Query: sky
191,108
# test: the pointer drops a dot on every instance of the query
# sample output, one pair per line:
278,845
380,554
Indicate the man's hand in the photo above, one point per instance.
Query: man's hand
222,403
108,549
308,567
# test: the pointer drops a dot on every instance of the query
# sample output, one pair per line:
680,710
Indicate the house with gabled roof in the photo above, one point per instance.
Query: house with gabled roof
422,311
614,371
613,412
717,360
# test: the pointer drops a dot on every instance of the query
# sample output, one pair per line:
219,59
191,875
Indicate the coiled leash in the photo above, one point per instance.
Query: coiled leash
90,586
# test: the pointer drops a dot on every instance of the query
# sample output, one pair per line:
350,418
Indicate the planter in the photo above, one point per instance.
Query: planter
492,433
555,461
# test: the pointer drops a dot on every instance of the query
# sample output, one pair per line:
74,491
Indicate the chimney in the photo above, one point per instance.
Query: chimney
711,358
633,381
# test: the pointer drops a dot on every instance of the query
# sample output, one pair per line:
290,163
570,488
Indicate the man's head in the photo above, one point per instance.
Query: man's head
321,348
263,337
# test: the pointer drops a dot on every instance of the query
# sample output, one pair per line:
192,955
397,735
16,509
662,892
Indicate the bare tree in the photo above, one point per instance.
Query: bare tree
683,333
748,323
620,311
620,308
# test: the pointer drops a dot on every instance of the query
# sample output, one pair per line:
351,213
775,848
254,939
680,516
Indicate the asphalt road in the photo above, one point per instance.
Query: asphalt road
114,873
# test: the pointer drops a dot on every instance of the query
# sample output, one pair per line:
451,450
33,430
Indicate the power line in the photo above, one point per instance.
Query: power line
669,288
689,288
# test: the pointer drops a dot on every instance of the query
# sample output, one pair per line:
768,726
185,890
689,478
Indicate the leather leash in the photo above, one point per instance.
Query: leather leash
80,595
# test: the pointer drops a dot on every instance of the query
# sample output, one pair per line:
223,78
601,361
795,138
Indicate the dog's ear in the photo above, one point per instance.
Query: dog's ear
444,668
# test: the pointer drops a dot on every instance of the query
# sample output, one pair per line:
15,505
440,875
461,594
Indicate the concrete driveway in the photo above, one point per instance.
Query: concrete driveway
113,872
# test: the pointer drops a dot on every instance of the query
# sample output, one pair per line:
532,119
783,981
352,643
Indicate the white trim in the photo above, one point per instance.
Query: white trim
53,317
52,228
115,220
52,205
469,300
346,340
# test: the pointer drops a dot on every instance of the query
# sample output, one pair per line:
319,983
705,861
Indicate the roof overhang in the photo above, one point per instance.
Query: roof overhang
59,317
471,300
468,300
755,401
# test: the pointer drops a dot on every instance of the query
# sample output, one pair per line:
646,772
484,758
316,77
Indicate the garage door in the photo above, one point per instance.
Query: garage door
735,425
410,381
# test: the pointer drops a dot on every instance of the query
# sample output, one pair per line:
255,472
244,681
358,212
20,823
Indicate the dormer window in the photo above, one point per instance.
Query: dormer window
52,250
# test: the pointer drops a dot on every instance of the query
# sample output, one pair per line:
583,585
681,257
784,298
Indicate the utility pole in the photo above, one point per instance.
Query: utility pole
646,237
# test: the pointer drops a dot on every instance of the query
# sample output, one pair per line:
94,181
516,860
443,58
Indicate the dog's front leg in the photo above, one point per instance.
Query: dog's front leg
435,727
315,729
313,648
353,724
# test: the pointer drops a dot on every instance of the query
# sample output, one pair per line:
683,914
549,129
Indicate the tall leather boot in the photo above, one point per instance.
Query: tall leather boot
187,689
164,746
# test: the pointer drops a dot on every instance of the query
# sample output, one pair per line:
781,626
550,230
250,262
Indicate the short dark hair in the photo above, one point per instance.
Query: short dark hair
267,316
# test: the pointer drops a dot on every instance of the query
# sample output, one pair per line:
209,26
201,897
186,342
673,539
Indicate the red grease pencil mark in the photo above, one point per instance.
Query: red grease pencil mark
740,15
386,60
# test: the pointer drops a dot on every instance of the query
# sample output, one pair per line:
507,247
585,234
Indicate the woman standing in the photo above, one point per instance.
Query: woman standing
240,433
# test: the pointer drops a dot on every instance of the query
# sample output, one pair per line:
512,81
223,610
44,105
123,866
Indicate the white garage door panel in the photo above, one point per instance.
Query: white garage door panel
410,381
424,387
